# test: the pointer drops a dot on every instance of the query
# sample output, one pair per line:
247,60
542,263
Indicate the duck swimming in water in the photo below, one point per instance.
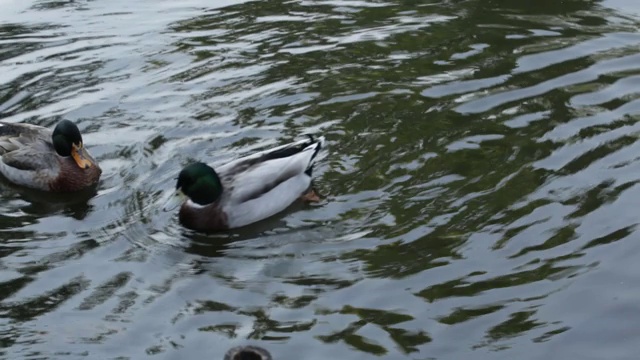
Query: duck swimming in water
35,157
246,190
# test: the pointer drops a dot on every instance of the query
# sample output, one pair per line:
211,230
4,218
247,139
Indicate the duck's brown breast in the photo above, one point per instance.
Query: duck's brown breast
72,178
208,218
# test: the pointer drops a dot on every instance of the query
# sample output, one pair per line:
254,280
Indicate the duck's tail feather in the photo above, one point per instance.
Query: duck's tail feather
319,144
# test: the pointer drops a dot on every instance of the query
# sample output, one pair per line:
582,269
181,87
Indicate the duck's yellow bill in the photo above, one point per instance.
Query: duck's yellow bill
175,200
80,156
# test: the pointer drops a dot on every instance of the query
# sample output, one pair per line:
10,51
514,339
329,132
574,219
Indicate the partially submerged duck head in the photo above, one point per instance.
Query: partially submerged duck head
247,353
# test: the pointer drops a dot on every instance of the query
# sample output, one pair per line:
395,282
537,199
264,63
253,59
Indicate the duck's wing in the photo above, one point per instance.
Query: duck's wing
29,167
30,159
269,184
282,151
255,175
19,136
26,147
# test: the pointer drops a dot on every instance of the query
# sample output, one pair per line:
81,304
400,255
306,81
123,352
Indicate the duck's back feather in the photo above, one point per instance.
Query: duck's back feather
16,136
27,155
269,203
263,184
25,168
252,176
278,152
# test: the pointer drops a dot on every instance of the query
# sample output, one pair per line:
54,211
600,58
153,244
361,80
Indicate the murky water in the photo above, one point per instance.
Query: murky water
481,179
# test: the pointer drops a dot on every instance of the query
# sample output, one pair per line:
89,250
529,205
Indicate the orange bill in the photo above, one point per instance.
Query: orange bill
81,157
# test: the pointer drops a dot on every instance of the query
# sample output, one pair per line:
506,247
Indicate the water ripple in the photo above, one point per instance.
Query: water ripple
479,181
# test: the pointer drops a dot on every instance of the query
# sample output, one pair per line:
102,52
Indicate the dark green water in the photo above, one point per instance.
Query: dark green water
481,179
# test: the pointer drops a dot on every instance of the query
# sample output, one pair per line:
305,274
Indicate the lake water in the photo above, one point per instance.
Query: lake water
481,181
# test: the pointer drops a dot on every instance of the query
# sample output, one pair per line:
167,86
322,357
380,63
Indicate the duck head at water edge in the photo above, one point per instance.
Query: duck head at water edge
247,353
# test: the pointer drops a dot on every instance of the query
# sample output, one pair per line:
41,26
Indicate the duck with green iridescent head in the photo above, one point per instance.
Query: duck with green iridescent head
53,161
246,190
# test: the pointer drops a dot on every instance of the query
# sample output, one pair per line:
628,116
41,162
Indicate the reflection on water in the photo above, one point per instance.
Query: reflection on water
480,183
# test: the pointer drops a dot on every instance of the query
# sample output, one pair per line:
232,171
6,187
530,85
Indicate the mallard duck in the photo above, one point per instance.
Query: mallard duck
247,189
247,353
35,157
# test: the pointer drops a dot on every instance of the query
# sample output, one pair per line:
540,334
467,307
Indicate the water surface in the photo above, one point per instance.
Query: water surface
480,180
